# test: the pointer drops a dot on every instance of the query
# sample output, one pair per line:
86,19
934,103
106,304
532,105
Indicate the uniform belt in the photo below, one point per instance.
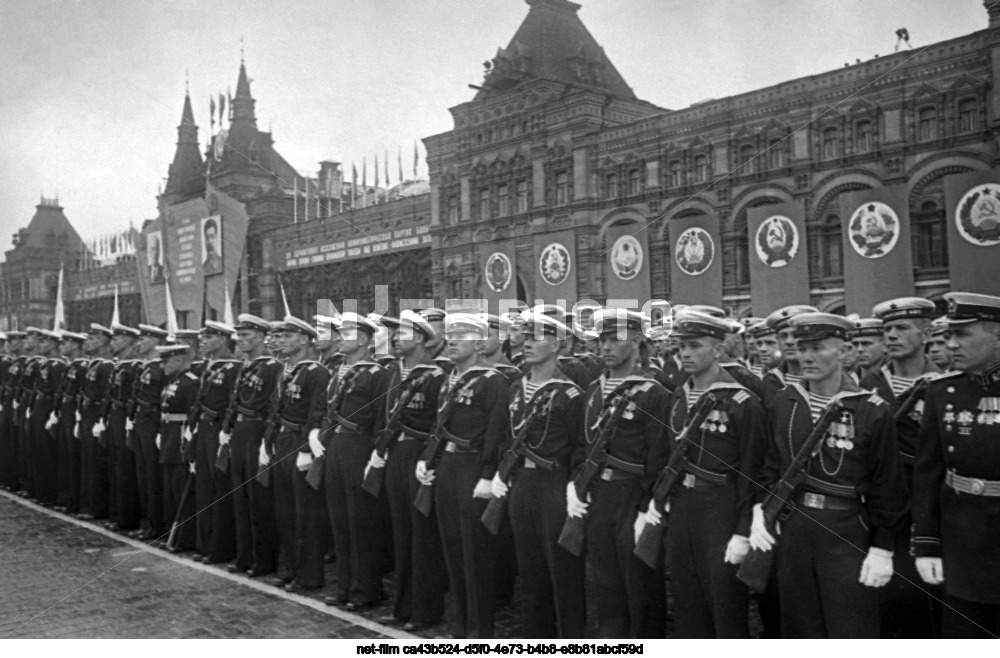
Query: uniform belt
117,404
289,425
246,413
145,404
696,476
173,418
613,474
532,460
974,486
248,418
415,434
907,458
208,414
829,488
456,443
825,501
622,465
347,425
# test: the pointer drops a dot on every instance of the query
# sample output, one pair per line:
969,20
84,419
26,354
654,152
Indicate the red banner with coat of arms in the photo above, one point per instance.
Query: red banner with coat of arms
878,258
555,269
627,258
973,202
497,274
779,264
695,260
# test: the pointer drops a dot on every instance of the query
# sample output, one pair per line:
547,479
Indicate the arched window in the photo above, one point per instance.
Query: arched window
701,168
484,203
611,186
830,139
927,123
634,182
930,236
747,163
676,175
968,115
864,141
832,257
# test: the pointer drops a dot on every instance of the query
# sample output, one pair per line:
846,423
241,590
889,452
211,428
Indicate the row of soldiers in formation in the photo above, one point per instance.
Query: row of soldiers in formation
830,467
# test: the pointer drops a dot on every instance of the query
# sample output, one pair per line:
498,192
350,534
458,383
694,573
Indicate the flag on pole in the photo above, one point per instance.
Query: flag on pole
60,319
306,197
354,183
222,109
376,178
171,313
227,310
295,200
385,164
284,299
211,112
115,317
416,159
364,183
399,161
230,97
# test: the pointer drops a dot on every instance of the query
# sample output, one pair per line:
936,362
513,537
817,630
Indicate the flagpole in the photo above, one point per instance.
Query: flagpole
295,200
172,327
227,311
59,322
284,299
115,317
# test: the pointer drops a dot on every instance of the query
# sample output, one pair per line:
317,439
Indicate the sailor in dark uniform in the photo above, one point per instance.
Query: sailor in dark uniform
144,423
292,445
768,352
956,482
123,487
788,371
356,398
253,402
710,515
328,342
419,574
178,395
472,424
23,402
69,449
869,341
12,363
90,428
836,549
492,355
44,418
630,596
937,345
215,524
436,318
548,408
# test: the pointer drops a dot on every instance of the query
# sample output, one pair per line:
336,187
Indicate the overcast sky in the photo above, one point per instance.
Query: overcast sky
91,91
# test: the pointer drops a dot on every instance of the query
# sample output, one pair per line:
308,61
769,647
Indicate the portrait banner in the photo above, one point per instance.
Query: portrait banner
695,260
555,268
211,245
497,273
627,263
973,216
878,258
779,263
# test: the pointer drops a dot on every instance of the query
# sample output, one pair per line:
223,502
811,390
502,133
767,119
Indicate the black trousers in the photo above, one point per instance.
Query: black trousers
253,504
709,602
69,459
301,515
44,453
470,551
94,476
148,473
552,579
631,597
24,449
420,575
216,527
356,518
124,485
8,447
176,507
908,607
969,619
819,562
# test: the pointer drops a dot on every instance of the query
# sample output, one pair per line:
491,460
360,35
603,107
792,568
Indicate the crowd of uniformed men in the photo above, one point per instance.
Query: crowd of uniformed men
312,447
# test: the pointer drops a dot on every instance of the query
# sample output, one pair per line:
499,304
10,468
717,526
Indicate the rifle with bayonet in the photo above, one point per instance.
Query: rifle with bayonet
647,547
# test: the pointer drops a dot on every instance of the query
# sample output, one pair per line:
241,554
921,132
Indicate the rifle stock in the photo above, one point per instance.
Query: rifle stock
756,568
374,477
425,494
574,529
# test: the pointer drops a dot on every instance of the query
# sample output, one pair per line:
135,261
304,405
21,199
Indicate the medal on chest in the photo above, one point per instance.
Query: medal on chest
840,435
989,408
169,392
716,421
965,419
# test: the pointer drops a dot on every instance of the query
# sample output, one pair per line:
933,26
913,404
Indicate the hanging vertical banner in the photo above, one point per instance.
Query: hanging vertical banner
973,202
497,274
878,257
627,273
695,260
779,264
555,268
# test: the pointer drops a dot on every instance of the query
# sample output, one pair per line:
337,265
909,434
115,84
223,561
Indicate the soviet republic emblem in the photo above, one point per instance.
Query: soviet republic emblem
626,257
695,251
977,216
498,271
554,264
873,229
777,241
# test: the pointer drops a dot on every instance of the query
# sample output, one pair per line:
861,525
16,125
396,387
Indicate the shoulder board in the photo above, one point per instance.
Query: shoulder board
637,378
191,375
874,398
427,366
264,357
485,371
938,376
741,397
734,365
572,391
726,386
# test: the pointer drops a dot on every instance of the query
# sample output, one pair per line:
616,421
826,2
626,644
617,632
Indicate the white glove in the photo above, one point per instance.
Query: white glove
484,489
425,476
737,549
637,526
262,457
76,430
188,434
499,487
760,538
653,515
574,506
931,570
315,445
225,438
158,441
876,570
27,414
79,416
98,428
129,424
16,405
303,460
377,462
53,421
191,468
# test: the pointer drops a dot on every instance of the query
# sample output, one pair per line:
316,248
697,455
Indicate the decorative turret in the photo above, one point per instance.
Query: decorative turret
186,177
243,102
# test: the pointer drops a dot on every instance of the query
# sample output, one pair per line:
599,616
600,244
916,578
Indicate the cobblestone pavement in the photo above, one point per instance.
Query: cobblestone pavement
61,580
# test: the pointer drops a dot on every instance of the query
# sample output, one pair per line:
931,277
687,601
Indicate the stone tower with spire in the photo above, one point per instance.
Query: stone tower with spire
186,176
